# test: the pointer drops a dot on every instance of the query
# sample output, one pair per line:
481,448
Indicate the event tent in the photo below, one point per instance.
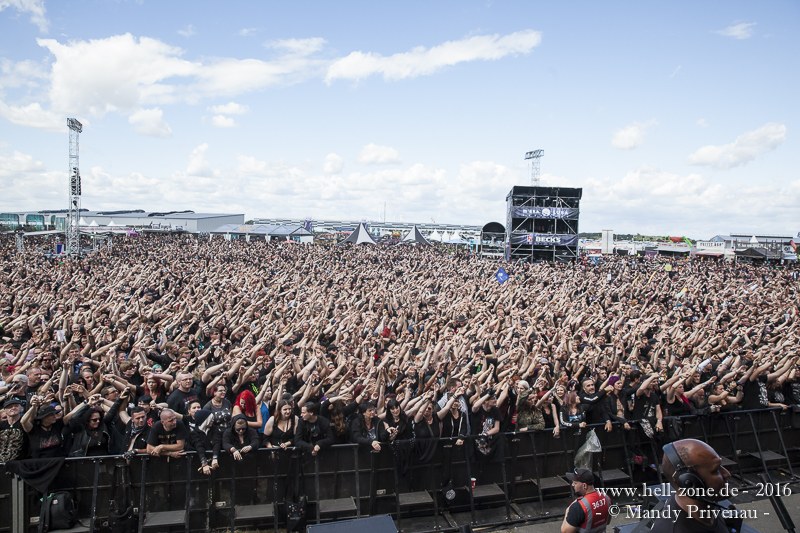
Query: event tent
360,236
415,237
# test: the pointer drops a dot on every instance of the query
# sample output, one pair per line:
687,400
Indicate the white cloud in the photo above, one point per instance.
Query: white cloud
35,8
247,32
117,73
742,30
631,136
421,61
702,123
33,115
27,74
18,163
645,199
123,73
302,47
231,108
198,164
373,154
150,122
744,149
187,31
221,121
334,164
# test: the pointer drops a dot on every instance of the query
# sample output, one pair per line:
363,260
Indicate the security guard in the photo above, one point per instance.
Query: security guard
589,512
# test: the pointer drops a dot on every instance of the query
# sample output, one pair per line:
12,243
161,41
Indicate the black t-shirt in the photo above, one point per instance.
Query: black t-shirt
158,435
644,406
484,420
47,442
178,401
755,393
684,524
13,441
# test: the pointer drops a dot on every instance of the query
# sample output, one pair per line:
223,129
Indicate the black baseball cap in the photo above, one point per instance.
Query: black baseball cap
581,475
12,401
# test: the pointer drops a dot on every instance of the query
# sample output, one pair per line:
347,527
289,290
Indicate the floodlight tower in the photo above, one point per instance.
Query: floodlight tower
535,157
74,212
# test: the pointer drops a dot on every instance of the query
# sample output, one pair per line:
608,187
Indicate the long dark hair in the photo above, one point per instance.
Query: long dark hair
402,420
337,417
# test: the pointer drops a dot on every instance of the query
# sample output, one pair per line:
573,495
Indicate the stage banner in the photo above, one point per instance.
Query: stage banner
544,239
544,212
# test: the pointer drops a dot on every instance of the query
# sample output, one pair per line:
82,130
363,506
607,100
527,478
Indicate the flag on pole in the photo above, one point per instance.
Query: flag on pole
501,275
793,245
688,242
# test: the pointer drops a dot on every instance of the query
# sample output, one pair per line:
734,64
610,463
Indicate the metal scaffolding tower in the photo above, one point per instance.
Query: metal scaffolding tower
74,212
535,157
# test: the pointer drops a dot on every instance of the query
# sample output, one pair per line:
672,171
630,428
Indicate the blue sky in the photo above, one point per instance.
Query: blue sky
675,117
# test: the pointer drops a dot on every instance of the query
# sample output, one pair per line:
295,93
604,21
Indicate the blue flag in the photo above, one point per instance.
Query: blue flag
501,275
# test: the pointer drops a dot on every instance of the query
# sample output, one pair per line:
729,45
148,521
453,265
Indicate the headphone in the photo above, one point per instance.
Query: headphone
684,476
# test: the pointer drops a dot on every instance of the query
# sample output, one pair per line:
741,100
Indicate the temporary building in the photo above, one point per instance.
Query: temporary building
415,237
360,236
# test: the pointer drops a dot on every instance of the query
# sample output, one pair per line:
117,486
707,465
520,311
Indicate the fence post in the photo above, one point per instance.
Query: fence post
783,444
505,481
536,472
468,466
19,519
142,495
96,479
316,484
273,452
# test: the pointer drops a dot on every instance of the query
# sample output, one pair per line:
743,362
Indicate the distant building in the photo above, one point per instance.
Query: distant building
755,247
187,221
264,232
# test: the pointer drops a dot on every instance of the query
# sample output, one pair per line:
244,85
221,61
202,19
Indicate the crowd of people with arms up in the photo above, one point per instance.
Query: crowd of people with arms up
164,344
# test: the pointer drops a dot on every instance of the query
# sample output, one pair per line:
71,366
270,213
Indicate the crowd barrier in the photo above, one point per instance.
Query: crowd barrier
348,481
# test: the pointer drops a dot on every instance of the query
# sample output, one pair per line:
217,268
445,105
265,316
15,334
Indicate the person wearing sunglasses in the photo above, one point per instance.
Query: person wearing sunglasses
240,439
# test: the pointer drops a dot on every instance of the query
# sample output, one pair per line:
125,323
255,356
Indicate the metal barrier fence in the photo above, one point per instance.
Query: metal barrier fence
352,481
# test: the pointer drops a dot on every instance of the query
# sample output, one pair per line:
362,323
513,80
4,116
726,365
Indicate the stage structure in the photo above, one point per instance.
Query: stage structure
74,211
535,157
542,223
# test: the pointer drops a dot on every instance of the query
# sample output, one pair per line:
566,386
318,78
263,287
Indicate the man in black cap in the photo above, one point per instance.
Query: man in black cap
13,441
46,436
589,512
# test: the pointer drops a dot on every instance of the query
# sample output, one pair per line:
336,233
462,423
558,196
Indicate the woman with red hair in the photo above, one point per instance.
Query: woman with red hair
246,405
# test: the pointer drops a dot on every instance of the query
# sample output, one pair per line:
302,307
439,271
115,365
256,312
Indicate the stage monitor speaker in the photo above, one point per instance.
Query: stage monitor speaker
373,524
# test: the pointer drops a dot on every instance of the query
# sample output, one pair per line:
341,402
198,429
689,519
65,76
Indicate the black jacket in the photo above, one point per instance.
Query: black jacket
231,440
310,434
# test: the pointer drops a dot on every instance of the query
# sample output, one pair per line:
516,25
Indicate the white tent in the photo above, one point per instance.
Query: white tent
93,224
112,224
435,236
360,236
753,240
82,222
455,238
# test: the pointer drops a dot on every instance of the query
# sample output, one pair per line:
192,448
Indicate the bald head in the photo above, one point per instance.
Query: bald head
168,419
701,459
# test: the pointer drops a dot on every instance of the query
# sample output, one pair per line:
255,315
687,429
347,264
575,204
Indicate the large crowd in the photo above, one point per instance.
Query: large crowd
163,344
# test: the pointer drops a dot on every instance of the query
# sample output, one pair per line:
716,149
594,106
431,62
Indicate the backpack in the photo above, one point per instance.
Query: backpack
58,512
296,514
